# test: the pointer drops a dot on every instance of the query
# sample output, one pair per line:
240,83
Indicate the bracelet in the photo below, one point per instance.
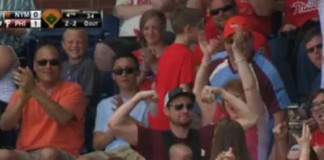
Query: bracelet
240,60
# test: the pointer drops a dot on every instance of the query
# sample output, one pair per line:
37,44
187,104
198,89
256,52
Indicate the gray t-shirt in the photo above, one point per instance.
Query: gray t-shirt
84,73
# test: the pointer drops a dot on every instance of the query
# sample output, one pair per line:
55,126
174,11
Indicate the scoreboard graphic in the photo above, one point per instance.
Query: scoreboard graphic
51,18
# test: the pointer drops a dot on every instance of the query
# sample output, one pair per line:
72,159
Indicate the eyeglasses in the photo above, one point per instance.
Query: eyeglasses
215,12
52,62
179,107
125,70
315,106
316,47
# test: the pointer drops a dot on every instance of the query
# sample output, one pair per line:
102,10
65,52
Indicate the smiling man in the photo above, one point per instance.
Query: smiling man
50,113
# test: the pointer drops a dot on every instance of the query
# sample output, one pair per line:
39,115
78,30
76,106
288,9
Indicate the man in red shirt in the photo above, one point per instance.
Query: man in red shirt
175,67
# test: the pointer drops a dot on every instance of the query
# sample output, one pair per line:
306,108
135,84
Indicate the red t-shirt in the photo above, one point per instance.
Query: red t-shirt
297,12
258,23
147,83
317,138
175,67
151,146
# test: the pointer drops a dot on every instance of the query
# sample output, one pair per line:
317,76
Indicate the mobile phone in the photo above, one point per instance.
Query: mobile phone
294,123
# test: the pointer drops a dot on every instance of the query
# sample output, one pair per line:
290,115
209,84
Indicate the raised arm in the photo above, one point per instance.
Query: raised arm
253,97
119,121
246,117
124,11
208,48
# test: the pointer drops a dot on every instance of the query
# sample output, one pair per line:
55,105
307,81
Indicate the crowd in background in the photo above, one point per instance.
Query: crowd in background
185,80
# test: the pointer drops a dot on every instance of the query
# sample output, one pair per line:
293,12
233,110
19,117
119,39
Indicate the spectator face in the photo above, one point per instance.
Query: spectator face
180,111
221,10
228,107
314,50
152,31
75,44
7,60
47,65
125,73
318,109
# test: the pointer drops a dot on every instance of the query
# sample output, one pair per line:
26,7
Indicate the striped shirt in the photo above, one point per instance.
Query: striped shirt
269,82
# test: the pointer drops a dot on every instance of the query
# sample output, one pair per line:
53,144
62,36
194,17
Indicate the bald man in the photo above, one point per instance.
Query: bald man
8,63
50,113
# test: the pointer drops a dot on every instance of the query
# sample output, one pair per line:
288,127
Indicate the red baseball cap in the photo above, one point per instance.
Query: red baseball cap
234,22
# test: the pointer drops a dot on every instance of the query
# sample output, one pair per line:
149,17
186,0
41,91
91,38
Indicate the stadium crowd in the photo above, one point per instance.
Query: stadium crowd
187,80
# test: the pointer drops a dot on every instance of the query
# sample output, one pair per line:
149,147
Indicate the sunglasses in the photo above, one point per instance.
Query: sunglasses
125,70
312,49
179,107
215,12
52,62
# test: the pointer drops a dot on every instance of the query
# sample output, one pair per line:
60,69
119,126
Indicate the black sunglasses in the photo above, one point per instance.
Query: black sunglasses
125,70
179,107
312,49
215,12
52,62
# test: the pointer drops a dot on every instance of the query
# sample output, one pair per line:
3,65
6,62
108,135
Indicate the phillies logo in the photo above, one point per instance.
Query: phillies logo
302,7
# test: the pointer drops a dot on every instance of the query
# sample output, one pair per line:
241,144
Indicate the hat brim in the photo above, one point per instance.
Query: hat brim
190,95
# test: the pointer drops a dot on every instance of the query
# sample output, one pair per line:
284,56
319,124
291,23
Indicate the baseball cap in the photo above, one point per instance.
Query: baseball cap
234,22
171,95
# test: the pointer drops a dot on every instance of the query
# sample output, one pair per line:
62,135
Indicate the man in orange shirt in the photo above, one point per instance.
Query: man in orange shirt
49,113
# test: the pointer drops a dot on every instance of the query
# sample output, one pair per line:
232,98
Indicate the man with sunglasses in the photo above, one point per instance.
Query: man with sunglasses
50,113
313,43
125,73
154,144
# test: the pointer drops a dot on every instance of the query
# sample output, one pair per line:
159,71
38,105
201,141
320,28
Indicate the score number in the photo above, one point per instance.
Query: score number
71,23
36,19
90,16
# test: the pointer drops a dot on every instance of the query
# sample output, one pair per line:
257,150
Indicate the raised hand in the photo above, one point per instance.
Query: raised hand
226,155
305,140
209,47
148,95
24,79
239,44
281,131
208,94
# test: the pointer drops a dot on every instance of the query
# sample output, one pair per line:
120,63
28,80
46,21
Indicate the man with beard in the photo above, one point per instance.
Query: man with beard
153,144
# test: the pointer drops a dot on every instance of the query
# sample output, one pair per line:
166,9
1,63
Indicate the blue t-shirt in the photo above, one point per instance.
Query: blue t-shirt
105,110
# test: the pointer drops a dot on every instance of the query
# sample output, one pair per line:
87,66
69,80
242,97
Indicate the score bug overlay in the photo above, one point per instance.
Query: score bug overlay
51,19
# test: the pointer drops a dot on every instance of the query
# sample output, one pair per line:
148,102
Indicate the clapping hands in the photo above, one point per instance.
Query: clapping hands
24,79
